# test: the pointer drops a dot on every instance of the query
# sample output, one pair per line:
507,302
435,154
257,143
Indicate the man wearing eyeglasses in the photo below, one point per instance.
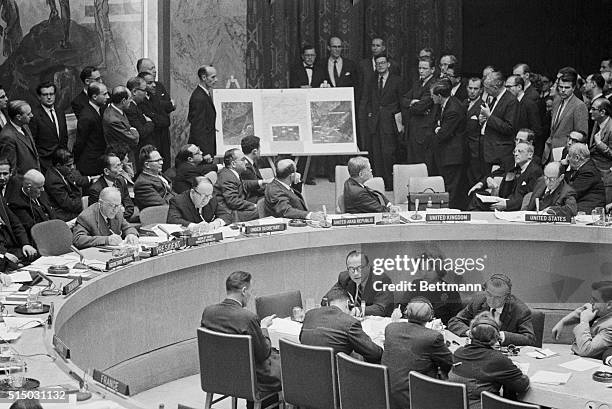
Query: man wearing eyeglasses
134,113
103,224
529,111
116,125
584,178
554,194
151,188
89,75
111,176
513,316
361,285
197,208
190,162
230,189
600,143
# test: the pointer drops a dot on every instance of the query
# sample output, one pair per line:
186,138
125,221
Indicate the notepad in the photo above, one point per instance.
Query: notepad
580,364
539,353
551,378
487,199
22,322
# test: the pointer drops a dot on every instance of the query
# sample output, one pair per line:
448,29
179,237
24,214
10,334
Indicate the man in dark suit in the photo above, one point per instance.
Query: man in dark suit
333,326
64,185
30,203
143,124
254,183
189,163
384,96
419,115
3,105
585,179
197,208
282,200
202,113
363,286
531,93
14,241
515,184
476,167
459,87
90,143
358,198
147,66
48,126
116,125
529,112
89,75
448,142
16,142
151,188
231,317
497,118
102,223
554,194
409,346
307,73
511,313
111,177
229,189
600,143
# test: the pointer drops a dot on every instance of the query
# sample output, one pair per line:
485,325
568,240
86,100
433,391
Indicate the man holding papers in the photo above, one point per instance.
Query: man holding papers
103,224
593,331
197,208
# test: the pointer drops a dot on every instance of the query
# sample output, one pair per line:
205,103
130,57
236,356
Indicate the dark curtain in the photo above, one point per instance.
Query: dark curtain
276,30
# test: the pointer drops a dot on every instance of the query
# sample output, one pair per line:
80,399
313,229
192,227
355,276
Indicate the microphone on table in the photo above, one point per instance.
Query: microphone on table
416,215
80,265
537,205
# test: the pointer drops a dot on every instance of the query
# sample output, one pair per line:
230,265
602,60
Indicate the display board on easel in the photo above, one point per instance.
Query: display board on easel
297,121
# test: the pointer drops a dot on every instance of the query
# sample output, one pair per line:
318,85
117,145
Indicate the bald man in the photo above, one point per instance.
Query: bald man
282,200
30,203
554,194
103,224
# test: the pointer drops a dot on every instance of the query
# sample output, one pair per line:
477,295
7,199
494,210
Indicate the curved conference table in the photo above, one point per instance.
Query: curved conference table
138,323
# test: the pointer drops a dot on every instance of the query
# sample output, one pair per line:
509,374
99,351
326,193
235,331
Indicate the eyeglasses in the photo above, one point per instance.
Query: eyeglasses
204,195
97,79
141,89
112,206
155,160
354,269
550,178
47,94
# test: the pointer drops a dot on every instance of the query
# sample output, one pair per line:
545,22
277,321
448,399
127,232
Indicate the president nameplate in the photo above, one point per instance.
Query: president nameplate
547,218
111,383
265,228
166,247
72,286
119,261
353,221
204,239
445,217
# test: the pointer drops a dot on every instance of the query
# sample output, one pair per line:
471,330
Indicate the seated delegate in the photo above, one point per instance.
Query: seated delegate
358,198
103,224
64,185
554,194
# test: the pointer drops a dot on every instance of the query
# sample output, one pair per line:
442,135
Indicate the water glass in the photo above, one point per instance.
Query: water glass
599,216
17,373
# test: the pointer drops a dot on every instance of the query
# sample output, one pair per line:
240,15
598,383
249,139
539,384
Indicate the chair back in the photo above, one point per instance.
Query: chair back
341,207
261,208
184,407
401,179
154,214
526,200
52,237
218,374
85,202
492,401
341,176
376,183
537,319
308,375
362,385
430,393
280,304
420,184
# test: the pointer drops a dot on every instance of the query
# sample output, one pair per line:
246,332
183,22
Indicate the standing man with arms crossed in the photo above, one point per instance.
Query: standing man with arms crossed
202,113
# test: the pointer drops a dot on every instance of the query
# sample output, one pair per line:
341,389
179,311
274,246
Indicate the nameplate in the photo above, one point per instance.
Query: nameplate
265,228
72,286
353,221
205,238
61,348
547,218
111,382
119,261
445,217
166,246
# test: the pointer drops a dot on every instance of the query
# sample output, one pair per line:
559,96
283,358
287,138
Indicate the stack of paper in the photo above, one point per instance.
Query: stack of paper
22,322
580,364
551,378
541,353
284,328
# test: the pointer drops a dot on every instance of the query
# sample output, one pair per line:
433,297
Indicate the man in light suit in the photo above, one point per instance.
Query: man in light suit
554,194
197,208
48,126
569,114
116,126
151,188
90,143
358,198
229,189
601,138
282,200
103,224
16,142
202,113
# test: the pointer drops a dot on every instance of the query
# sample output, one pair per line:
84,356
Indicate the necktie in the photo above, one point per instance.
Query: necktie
493,311
336,74
492,102
108,224
558,116
2,120
52,115
358,297
308,67
380,83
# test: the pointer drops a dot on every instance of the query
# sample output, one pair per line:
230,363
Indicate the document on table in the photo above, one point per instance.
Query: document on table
518,216
22,322
551,378
8,333
541,353
284,328
580,364
488,199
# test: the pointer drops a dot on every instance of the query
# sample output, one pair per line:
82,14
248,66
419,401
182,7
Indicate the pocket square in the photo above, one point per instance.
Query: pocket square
346,74
524,183
474,117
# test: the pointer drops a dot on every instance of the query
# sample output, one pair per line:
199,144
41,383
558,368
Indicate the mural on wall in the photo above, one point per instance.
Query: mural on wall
52,40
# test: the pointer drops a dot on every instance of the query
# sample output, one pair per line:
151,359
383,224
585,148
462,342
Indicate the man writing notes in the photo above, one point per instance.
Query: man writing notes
103,224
